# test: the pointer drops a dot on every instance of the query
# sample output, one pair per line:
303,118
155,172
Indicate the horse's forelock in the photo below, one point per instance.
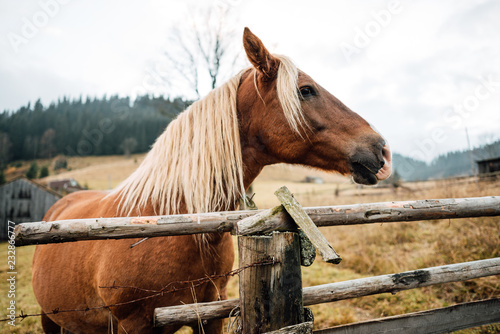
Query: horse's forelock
288,94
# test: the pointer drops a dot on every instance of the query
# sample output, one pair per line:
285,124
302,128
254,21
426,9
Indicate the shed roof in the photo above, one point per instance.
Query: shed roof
36,184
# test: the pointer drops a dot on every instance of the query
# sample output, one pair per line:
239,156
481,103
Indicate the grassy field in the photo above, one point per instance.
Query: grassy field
367,250
378,249
25,299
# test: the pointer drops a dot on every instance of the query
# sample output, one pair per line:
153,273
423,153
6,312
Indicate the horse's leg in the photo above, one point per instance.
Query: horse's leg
132,325
211,327
50,327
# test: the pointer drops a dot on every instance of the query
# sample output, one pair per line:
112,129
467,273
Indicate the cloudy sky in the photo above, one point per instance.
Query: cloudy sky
420,71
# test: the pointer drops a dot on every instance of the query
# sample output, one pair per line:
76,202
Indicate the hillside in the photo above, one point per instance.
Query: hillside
457,163
104,126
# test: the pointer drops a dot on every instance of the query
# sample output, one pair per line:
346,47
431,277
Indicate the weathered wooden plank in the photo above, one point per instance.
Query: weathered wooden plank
270,296
189,313
388,212
350,289
307,250
260,222
307,225
141,227
127,227
303,328
441,320
402,281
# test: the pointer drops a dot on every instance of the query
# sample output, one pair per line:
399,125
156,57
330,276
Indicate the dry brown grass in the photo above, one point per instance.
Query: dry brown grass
99,173
378,249
367,250
25,299
95,172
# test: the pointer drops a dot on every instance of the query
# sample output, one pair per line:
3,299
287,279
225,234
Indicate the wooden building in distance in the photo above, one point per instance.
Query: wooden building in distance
488,166
64,186
22,200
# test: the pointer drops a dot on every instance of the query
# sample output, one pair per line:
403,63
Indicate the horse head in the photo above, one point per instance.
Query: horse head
285,116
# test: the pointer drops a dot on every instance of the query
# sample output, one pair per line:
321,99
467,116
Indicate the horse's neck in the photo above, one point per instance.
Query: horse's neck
254,159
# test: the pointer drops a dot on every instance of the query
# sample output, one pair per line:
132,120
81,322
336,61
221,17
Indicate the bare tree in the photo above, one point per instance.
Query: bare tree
201,51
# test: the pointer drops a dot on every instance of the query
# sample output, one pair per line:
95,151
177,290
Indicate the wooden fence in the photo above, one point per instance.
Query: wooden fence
272,297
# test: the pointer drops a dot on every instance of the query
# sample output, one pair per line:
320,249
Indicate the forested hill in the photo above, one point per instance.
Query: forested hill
92,127
451,164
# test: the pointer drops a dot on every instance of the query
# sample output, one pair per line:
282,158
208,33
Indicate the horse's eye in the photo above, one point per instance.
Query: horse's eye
306,91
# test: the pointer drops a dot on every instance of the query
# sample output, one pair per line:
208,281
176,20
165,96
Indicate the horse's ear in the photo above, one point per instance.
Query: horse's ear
258,55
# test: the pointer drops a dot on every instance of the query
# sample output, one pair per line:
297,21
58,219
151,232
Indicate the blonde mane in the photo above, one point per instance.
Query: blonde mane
197,160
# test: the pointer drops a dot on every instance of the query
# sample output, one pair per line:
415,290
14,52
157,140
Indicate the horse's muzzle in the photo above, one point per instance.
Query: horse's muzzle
368,166
386,169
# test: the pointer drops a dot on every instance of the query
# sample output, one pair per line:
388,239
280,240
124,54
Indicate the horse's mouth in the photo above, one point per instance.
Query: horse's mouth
363,174
367,168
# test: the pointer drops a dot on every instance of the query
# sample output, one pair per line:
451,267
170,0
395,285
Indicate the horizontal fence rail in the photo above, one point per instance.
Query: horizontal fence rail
331,292
154,226
441,320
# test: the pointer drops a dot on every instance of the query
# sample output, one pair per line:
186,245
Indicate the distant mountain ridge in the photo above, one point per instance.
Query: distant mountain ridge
457,163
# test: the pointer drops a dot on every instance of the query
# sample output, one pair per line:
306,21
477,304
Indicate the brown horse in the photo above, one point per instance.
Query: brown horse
204,161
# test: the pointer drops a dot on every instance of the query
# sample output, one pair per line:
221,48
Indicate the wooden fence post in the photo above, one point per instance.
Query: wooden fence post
270,296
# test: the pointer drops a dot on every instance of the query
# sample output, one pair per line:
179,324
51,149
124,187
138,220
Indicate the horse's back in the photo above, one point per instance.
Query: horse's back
81,204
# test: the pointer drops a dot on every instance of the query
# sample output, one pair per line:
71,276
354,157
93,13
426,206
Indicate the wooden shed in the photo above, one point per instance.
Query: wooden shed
488,166
64,186
22,200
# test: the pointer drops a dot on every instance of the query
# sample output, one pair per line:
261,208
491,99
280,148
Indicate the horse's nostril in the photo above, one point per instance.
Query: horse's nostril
386,153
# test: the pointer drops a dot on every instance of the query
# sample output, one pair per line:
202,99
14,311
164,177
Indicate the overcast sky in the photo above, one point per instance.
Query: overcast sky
420,71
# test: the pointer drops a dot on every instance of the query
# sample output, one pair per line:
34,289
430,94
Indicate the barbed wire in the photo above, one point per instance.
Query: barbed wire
155,293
